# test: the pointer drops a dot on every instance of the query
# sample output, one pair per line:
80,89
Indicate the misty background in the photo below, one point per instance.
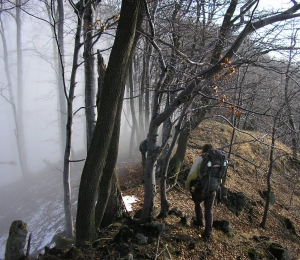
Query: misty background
41,112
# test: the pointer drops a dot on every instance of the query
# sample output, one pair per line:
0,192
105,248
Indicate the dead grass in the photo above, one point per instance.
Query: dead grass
250,160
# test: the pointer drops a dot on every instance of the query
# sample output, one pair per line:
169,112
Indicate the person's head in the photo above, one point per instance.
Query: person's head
206,148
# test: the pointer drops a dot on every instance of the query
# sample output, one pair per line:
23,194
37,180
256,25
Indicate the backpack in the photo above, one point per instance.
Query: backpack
212,171
143,146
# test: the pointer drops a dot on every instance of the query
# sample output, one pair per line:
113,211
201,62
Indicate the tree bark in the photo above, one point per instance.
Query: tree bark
109,181
111,95
89,71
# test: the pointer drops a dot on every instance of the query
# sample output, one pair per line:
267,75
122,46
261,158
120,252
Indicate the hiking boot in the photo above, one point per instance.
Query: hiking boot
198,223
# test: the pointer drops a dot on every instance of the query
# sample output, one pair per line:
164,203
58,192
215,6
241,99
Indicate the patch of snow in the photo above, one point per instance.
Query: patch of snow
128,201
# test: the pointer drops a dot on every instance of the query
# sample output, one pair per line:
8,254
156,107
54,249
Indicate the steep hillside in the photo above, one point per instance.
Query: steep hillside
249,166
181,239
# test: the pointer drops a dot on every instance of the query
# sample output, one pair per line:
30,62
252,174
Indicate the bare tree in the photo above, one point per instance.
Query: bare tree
158,117
89,69
111,97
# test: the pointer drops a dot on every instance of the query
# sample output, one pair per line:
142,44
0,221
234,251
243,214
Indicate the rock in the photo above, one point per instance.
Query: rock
154,228
125,234
61,241
236,202
253,254
142,240
224,226
175,212
279,252
16,240
261,238
288,224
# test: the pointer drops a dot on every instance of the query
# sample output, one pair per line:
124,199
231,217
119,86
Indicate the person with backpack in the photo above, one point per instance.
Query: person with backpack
203,182
144,150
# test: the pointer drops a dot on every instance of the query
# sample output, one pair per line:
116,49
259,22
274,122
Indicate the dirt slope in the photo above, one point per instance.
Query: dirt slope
244,177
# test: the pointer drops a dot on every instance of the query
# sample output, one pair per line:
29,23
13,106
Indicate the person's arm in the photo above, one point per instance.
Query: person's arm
193,172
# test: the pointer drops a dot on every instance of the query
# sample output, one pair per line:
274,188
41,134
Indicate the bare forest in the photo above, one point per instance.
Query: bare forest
83,83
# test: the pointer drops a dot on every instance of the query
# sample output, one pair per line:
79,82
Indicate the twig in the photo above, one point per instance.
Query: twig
157,248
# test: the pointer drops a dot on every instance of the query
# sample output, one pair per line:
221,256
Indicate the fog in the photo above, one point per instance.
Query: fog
40,98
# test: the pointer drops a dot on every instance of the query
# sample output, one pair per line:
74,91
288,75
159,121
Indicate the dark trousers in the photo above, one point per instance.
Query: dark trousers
208,209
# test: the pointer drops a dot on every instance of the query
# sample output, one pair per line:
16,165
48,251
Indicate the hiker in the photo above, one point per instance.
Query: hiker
198,195
144,149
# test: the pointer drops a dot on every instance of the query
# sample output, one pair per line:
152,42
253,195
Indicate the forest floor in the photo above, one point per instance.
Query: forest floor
182,240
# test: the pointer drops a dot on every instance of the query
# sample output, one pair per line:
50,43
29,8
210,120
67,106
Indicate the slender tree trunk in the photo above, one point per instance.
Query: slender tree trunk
271,162
163,181
61,86
288,102
177,160
10,89
67,156
89,70
190,124
147,57
101,74
20,86
134,127
141,99
112,94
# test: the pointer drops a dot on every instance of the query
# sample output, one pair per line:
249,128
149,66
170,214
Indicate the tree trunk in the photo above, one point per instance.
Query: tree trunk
20,105
177,160
147,65
10,89
89,71
59,53
67,155
111,96
61,77
114,210
109,181
271,162
164,174
101,74
288,102
134,126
